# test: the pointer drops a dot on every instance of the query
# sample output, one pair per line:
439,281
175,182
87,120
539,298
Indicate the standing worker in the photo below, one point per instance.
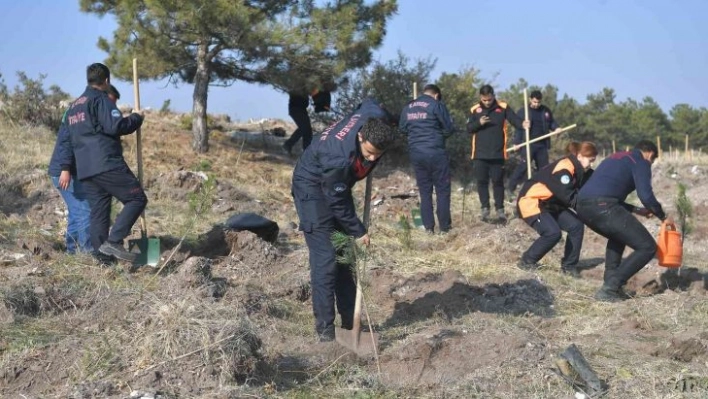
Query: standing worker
545,203
542,123
427,123
62,170
323,178
601,207
298,101
95,127
487,124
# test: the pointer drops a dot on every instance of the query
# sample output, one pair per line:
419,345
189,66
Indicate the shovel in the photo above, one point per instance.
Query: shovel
149,247
362,343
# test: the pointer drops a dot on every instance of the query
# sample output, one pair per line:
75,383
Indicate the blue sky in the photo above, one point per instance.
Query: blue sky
639,48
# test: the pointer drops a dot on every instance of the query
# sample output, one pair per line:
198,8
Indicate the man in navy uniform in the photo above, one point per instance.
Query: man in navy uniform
323,178
542,123
95,126
601,207
487,124
62,170
427,123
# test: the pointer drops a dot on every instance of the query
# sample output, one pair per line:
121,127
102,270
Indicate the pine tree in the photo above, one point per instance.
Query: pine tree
290,45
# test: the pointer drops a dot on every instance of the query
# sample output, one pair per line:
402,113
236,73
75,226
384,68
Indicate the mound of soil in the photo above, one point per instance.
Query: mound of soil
445,357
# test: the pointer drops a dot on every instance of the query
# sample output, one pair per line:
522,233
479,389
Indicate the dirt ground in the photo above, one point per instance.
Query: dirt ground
229,315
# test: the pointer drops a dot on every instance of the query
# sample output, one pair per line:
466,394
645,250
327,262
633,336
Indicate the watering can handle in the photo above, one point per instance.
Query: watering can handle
668,226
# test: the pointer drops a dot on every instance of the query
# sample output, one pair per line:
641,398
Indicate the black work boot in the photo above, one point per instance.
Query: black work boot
527,265
501,216
571,271
610,294
326,334
117,250
485,214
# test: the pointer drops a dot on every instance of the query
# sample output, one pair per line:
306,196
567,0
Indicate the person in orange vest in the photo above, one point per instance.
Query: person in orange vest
546,201
487,124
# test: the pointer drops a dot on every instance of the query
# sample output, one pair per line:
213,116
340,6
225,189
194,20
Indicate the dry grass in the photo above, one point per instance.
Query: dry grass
123,326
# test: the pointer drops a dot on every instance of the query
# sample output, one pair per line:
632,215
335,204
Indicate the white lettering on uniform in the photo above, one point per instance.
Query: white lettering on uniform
416,115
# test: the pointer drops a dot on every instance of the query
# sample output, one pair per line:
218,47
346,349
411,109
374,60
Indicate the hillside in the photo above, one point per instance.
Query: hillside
227,315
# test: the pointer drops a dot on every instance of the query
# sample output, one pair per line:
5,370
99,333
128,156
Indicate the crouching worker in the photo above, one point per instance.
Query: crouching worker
601,207
323,178
95,126
545,203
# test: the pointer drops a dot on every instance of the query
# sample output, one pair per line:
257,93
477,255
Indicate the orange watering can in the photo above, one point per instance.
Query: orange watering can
669,248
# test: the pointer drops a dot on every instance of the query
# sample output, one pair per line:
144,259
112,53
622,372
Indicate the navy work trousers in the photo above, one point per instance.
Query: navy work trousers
549,226
432,170
100,190
609,218
304,128
484,171
329,279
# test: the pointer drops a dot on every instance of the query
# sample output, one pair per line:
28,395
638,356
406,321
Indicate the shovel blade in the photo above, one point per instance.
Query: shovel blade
367,345
149,250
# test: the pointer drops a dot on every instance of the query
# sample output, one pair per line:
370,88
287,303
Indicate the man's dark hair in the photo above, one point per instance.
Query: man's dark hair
647,146
432,89
113,92
380,134
486,90
537,95
97,74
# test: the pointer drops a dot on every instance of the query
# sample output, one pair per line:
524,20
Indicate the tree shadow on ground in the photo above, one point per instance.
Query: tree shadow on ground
517,298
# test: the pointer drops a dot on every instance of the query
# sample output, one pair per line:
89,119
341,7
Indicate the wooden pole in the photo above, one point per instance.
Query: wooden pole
415,90
139,141
545,136
528,136
614,148
658,144
686,154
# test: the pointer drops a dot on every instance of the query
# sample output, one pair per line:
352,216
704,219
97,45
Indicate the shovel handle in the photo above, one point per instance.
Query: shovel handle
356,325
139,142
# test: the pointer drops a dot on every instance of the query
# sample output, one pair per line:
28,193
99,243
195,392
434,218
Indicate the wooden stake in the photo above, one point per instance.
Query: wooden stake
545,136
139,142
686,152
614,148
415,90
528,136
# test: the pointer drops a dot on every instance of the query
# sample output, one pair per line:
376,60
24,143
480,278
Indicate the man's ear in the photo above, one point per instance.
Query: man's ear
361,138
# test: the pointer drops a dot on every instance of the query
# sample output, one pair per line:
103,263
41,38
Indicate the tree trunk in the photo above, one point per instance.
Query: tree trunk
200,141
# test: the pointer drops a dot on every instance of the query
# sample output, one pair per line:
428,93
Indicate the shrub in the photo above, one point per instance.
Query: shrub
30,103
